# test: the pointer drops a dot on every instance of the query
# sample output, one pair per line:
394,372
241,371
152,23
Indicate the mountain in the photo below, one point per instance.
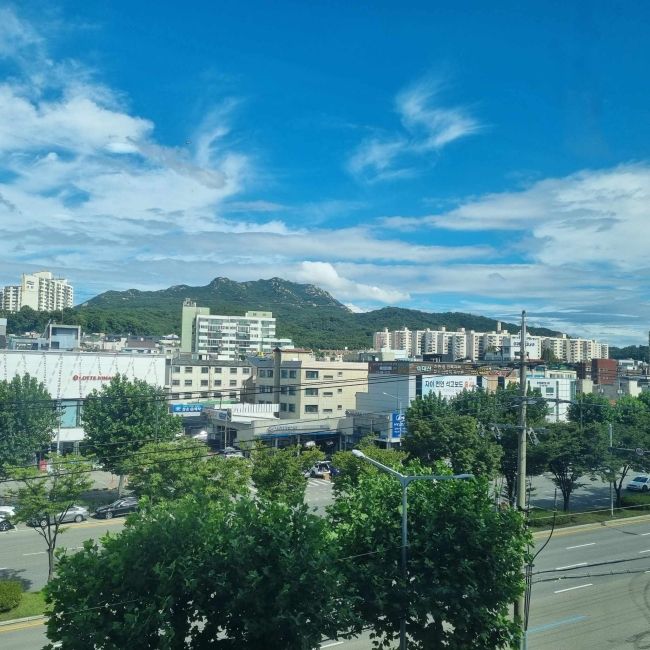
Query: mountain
307,314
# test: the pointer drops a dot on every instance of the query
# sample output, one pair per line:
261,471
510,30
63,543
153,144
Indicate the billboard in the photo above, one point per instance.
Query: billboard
447,386
187,408
398,424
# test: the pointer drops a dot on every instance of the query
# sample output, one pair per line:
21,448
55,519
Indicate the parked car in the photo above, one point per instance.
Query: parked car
639,483
5,525
6,512
122,506
73,513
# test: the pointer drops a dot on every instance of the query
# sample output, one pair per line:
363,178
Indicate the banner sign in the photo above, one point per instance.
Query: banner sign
187,408
398,424
447,386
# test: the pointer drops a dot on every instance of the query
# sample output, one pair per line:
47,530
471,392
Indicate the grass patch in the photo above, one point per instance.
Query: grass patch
32,604
541,519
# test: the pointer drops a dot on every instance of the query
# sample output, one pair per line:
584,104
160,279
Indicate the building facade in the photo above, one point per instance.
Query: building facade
228,337
41,291
306,388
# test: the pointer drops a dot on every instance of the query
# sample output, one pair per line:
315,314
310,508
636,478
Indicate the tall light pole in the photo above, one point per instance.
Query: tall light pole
520,613
405,481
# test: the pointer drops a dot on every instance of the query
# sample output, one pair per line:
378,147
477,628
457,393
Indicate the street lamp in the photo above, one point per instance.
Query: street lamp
405,481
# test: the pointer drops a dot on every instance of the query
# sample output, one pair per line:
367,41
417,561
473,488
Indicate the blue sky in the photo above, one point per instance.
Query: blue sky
459,157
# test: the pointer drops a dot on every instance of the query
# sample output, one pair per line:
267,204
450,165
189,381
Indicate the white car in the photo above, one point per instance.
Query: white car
6,512
639,484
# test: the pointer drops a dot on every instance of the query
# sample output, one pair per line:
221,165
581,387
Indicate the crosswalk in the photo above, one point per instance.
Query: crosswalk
319,484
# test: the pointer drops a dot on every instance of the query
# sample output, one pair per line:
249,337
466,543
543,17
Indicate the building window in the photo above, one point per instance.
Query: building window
311,408
339,407
328,394
283,390
188,382
292,408
204,382
550,391
340,373
246,371
176,382
328,376
311,374
339,391
293,374
311,391
205,370
283,406
188,369
327,410
292,390
218,370
233,395
233,382
233,371
284,373
217,382
176,368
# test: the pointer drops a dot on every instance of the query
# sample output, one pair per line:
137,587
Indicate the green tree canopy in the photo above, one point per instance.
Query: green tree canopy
244,574
464,561
279,474
590,407
570,452
123,416
455,439
28,418
182,467
46,499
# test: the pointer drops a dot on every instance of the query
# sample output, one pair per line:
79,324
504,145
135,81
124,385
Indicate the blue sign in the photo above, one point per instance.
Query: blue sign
187,408
398,424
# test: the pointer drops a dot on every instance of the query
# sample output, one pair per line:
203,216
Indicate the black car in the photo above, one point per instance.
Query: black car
122,506
5,525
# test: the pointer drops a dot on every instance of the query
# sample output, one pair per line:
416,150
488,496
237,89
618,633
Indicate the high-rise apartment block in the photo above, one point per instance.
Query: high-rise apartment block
475,346
228,337
41,291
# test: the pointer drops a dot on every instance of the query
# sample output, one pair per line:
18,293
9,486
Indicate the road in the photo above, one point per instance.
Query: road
592,588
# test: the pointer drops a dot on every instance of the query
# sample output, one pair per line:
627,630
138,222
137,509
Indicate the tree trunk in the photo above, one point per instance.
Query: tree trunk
50,560
565,498
120,485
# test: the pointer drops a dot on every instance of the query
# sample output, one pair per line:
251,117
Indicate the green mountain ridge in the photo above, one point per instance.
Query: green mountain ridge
307,314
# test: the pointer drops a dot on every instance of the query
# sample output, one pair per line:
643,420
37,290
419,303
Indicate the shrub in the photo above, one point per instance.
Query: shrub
11,592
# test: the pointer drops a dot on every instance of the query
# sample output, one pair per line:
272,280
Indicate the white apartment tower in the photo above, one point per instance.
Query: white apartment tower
41,291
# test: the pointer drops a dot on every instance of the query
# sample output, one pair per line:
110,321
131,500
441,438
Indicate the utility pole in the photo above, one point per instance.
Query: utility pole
520,607
611,484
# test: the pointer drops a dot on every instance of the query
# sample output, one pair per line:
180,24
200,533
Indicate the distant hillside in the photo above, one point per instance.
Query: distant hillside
638,352
307,314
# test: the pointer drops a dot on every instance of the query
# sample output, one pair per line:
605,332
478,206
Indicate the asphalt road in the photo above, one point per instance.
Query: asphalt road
23,554
592,588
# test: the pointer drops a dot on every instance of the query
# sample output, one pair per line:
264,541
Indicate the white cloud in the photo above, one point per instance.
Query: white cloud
427,127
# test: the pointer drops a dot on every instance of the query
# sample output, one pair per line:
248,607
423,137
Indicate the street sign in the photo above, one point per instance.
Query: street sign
398,424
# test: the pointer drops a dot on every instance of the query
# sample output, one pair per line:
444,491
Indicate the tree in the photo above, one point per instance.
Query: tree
196,573
464,561
548,356
123,416
279,474
570,452
45,500
589,407
182,467
28,418
455,439
498,412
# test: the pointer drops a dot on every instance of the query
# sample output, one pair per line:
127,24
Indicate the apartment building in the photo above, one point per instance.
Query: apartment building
203,378
475,346
306,388
41,291
228,337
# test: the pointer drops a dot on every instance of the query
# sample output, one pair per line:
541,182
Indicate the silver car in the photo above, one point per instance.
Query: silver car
73,513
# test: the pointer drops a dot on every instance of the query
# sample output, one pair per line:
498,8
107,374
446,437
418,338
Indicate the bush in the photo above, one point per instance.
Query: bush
11,592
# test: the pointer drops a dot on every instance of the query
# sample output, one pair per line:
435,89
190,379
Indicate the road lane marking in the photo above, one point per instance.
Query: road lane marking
36,553
568,548
550,626
331,645
570,566
646,551
559,591
21,626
